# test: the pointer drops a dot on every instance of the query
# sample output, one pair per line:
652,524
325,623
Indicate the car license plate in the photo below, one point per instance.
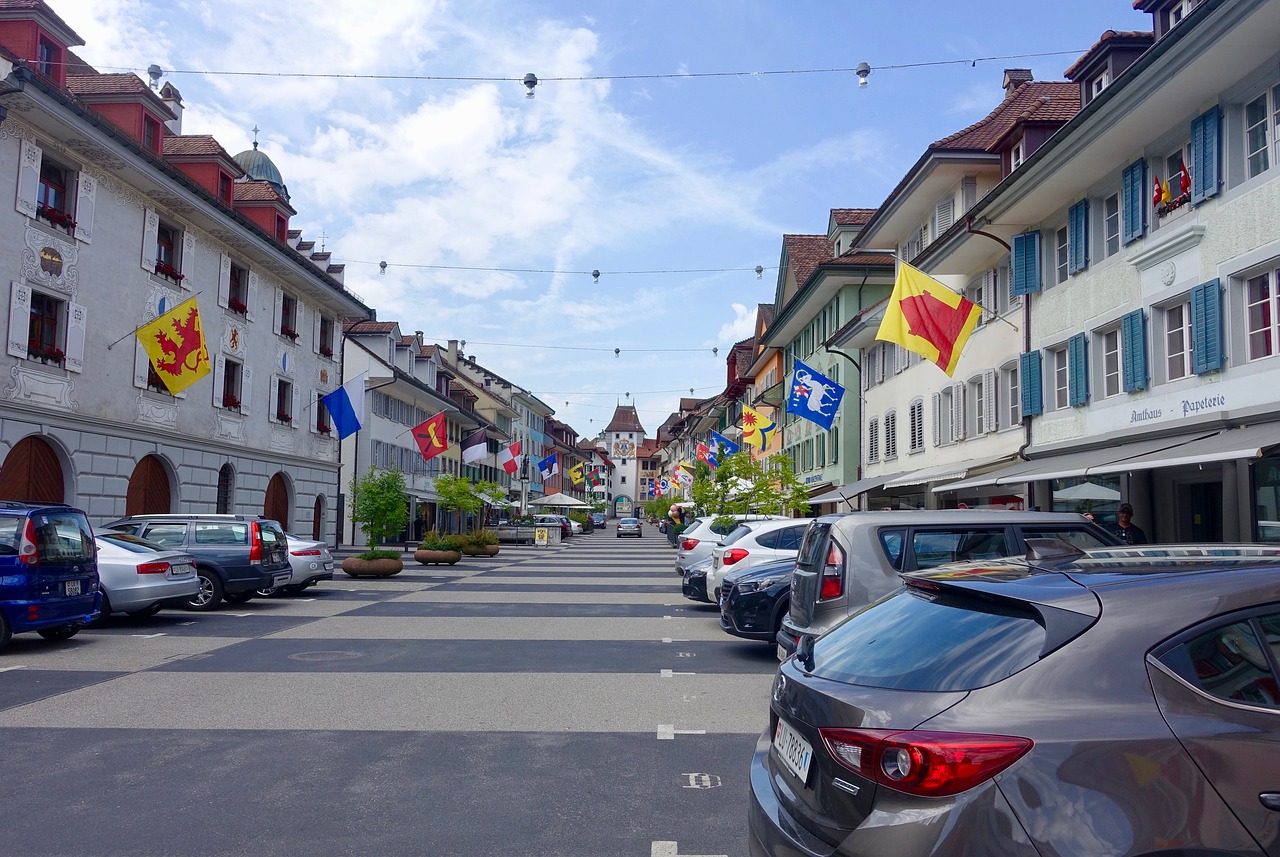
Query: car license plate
782,652
281,578
328,566
180,571
73,587
793,750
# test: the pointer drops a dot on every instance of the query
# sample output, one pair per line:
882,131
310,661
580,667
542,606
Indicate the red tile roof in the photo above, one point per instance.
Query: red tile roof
765,314
625,418
257,192
1132,36
97,86
1056,101
368,326
851,216
805,253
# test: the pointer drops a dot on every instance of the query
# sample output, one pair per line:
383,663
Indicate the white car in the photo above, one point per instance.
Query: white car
309,561
696,542
139,577
754,543
577,528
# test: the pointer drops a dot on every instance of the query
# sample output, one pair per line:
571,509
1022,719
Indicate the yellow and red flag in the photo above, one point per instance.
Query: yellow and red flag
578,473
174,343
757,429
432,436
928,318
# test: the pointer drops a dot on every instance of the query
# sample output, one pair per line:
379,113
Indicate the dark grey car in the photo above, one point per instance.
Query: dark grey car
1120,702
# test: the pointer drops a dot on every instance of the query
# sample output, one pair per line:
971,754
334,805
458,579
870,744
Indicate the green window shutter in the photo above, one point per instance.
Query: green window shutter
1206,328
1078,237
1133,196
1029,375
1026,264
1133,347
1078,369
1206,155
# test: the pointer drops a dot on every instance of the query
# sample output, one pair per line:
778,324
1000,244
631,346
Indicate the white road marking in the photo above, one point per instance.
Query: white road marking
148,636
239,615
8,669
667,732
669,849
670,673
673,640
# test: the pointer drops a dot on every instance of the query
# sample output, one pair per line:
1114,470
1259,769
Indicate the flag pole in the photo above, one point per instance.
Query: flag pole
145,323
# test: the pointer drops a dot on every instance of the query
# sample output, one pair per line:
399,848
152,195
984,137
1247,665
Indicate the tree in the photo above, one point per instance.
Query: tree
456,494
742,485
379,504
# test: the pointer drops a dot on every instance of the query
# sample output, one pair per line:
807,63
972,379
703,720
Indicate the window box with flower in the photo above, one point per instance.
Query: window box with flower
326,352
164,269
325,430
285,330
284,418
54,355
237,306
60,219
230,401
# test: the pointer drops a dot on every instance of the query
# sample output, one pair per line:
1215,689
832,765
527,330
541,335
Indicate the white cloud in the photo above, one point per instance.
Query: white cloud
741,327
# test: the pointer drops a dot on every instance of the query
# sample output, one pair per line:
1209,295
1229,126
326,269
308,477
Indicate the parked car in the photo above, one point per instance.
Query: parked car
309,562
696,542
754,543
140,578
554,521
48,571
848,561
1122,701
754,600
597,520
694,583
574,527
235,554
630,527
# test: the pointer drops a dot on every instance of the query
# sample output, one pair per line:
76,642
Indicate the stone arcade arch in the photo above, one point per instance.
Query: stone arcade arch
276,505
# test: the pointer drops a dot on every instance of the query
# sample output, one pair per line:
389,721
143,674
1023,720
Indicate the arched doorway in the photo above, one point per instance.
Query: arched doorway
226,489
148,491
317,519
32,473
276,506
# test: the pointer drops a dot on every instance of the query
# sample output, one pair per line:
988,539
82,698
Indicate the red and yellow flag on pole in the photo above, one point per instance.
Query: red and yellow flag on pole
432,436
174,343
928,318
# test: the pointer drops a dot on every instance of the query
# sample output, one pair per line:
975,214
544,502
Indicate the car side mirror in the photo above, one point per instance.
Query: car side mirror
804,651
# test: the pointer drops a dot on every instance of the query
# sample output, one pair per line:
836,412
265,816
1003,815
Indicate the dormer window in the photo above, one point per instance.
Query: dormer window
1099,83
151,134
225,188
1017,155
48,58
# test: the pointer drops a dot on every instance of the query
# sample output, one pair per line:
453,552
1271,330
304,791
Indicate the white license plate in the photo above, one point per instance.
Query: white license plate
782,652
73,587
328,566
181,571
793,750
281,578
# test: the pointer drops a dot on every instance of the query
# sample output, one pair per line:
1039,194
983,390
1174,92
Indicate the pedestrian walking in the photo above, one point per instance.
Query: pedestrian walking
1124,527
679,521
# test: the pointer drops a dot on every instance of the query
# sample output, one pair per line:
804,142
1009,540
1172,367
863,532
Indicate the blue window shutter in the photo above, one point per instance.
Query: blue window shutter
1133,195
1206,155
1026,264
1078,369
1029,378
1206,327
1133,347
1078,237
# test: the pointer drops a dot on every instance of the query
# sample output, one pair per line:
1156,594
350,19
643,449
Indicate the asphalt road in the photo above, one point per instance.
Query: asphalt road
553,701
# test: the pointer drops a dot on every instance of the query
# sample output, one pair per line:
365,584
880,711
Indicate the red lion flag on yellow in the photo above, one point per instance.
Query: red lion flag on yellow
174,343
928,318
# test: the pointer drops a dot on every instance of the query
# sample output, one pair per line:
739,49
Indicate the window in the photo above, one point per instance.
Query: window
916,416
622,480
284,403
873,440
225,189
1017,155
1111,362
890,435
1058,365
54,192
288,326
238,291
46,328
1111,225
232,384
166,249
1078,237
1261,121
1009,390
1230,662
1060,255
1098,84
151,134
983,411
42,332
48,58
1260,316
1177,340
52,197
324,339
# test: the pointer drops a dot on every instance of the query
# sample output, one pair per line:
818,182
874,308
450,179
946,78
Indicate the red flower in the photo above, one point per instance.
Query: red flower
230,401
237,306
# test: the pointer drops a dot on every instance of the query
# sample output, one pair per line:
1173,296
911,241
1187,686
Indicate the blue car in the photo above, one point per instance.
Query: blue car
48,571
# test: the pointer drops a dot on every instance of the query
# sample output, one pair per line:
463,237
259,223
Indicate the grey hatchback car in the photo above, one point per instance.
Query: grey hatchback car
1120,702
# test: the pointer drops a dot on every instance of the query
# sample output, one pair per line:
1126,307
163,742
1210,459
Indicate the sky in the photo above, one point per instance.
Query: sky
669,146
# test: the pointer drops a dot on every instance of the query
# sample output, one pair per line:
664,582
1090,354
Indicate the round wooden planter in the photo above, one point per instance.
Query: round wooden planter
354,566
433,557
480,550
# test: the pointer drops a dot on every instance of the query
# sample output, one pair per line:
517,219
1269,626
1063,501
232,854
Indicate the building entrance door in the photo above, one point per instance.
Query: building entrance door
1199,512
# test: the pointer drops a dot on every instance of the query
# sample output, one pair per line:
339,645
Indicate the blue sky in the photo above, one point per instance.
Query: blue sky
459,184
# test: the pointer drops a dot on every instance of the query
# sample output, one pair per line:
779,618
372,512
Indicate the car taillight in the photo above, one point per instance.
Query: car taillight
153,568
832,573
688,544
919,762
307,552
732,555
255,542
28,553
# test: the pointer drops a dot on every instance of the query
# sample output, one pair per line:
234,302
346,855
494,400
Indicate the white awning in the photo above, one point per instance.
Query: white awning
1228,445
846,493
940,472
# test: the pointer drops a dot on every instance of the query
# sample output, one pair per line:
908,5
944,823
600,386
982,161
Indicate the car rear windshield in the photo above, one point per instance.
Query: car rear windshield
62,537
737,533
812,554
131,543
926,641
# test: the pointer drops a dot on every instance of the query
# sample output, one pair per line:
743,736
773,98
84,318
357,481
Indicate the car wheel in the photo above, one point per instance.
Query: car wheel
210,594
238,597
295,588
104,611
145,612
62,632
783,609
6,633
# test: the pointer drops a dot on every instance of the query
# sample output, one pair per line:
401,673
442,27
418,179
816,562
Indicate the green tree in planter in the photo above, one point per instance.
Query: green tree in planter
379,504
456,494
742,486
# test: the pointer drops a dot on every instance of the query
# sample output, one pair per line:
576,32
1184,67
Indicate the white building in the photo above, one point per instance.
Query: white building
623,438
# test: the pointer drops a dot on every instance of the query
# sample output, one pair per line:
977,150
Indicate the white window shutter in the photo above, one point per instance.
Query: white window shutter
943,216
936,411
86,202
251,300
312,411
881,361
219,379
246,389
76,326
988,404
315,333
277,311
19,319
188,260
29,157
275,397
224,281
150,230
989,307
958,424
140,363
294,411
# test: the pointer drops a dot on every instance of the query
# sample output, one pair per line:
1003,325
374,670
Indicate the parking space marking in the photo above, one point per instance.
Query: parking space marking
673,639
668,732
670,673
669,849
8,669
148,636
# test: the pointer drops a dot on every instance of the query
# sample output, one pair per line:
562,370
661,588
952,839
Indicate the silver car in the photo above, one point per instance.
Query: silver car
310,562
630,527
139,577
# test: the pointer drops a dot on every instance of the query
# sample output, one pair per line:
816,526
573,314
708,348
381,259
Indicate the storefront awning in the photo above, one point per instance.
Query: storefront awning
1227,445
853,489
941,472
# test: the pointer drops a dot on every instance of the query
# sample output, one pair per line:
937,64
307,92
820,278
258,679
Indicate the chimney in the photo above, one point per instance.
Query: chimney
1015,77
173,100
453,351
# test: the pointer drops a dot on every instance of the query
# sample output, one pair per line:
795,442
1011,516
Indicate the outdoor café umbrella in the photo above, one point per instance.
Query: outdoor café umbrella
1087,491
560,500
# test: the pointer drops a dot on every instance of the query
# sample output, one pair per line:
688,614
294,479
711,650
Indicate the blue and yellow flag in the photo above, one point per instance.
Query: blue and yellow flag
757,429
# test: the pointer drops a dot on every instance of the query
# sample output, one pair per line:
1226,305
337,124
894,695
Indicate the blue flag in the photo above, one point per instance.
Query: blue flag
814,396
346,406
549,466
718,440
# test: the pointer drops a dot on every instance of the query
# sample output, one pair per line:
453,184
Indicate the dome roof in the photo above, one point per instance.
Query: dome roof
260,168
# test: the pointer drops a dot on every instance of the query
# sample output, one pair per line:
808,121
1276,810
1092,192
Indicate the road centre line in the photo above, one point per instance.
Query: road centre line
668,732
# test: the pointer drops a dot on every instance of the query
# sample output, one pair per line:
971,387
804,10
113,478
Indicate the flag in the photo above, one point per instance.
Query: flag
718,440
756,427
174,343
1159,191
594,479
507,457
432,436
926,317
664,485
814,396
705,455
577,473
683,474
346,406
1165,196
549,466
1185,179
475,446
